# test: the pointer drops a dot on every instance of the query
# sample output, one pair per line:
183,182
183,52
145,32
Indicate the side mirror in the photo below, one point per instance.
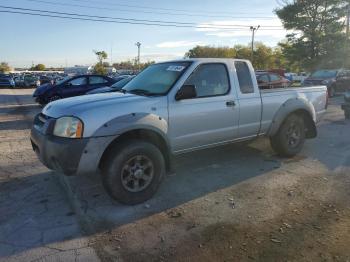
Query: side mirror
186,92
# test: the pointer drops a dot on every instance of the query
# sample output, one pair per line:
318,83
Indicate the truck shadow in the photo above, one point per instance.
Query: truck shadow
196,175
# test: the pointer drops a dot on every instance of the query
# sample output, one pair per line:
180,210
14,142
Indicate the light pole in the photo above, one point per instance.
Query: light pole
138,44
253,29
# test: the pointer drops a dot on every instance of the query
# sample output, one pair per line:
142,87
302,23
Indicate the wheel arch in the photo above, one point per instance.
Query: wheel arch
145,134
299,106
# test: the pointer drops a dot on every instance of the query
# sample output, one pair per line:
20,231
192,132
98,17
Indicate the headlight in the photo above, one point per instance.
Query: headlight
325,82
70,127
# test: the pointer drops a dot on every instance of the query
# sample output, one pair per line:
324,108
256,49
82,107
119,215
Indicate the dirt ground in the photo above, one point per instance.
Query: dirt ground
297,214
236,203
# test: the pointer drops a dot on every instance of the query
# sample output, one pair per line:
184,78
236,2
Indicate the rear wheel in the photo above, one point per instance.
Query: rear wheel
290,138
133,171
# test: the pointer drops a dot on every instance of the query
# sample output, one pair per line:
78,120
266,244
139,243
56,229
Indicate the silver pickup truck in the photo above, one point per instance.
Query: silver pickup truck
171,108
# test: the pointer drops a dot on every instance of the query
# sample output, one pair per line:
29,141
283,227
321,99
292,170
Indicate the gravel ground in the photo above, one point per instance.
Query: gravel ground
37,222
235,203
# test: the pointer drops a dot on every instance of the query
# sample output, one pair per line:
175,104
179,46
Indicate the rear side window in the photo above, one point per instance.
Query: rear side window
274,77
210,80
78,81
264,78
94,80
244,77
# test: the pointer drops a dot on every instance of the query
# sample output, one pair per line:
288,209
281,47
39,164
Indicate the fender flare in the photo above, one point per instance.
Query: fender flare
134,121
295,105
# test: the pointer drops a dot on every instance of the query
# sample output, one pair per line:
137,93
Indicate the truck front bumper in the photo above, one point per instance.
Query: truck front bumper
56,153
69,156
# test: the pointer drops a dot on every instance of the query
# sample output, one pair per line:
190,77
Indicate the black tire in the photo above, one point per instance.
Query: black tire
289,144
331,91
113,171
347,114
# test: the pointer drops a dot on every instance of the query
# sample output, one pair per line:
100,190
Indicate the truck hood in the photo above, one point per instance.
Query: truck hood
77,106
97,110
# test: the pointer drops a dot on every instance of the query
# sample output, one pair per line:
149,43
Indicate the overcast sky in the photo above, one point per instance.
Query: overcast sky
59,42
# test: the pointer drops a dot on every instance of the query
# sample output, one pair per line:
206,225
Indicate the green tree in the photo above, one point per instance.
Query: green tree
38,67
210,52
264,57
4,67
131,65
318,39
100,68
101,55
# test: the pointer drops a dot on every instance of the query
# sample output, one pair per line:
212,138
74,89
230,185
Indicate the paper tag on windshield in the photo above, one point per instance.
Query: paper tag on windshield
176,68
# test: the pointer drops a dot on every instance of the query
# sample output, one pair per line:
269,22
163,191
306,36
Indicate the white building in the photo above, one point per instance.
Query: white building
84,70
78,70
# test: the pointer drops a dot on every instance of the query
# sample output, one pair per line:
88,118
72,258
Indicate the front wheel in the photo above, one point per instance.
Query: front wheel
54,98
133,171
290,138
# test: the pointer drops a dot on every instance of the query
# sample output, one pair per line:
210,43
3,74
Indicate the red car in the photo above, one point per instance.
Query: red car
268,80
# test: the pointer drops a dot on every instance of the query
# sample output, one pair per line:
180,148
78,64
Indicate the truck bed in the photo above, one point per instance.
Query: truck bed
273,99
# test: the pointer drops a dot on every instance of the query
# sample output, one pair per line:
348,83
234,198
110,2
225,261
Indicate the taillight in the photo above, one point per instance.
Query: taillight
327,98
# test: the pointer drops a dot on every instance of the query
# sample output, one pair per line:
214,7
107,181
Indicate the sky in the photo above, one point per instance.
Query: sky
59,42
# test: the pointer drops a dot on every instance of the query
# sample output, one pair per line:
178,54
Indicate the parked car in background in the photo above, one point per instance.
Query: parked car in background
113,88
45,79
27,81
168,109
70,86
342,81
268,80
7,81
120,77
337,80
296,77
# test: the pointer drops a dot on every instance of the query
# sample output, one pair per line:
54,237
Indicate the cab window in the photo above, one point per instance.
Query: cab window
244,77
210,80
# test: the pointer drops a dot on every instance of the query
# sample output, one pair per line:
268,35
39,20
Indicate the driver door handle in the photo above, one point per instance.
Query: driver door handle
230,103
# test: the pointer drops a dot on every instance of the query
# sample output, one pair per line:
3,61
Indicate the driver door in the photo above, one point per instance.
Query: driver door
209,118
75,87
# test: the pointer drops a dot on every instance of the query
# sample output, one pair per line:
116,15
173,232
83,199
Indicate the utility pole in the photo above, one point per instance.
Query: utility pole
347,39
138,44
348,23
253,29
111,54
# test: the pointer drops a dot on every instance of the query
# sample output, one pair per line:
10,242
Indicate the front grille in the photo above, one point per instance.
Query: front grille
41,122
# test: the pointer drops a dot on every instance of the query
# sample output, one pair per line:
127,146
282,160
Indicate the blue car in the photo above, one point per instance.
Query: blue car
69,87
113,88
6,81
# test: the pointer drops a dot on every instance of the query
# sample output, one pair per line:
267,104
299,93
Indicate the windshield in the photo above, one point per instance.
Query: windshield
324,74
120,84
157,79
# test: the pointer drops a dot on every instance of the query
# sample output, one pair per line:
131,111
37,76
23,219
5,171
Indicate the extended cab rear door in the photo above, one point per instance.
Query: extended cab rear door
249,99
211,117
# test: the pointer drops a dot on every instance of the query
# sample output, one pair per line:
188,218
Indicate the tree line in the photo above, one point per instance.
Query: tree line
319,39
